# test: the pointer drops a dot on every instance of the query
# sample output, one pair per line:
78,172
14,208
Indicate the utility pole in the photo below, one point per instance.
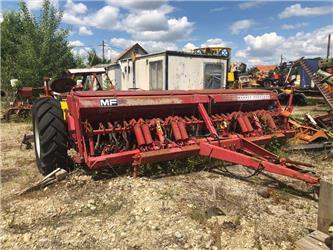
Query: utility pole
103,51
328,46
103,46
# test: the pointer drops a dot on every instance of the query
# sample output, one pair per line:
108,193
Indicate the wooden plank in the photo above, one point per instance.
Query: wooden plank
42,182
313,241
318,235
325,211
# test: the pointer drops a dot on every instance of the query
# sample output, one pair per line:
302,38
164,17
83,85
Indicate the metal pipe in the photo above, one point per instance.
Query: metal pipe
247,123
270,120
182,129
176,132
139,135
146,134
242,125
91,145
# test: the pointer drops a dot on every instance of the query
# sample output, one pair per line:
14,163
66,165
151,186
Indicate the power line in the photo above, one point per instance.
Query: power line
94,46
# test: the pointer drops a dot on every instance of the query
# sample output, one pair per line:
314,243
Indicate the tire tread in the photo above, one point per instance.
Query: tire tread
52,135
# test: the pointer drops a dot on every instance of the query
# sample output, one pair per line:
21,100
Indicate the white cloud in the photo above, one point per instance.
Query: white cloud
79,48
72,18
262,47
1,17
212,42
177,29
215,42
298,10
137,4
241,54
78,8
248,5
76,43
150,46
264,43
142,20
240,25
121,43
152,20
34,4
112,54
156,46
311,44
38,4
189,47
104,18
293,26
84,31
81,52
155,24
268,48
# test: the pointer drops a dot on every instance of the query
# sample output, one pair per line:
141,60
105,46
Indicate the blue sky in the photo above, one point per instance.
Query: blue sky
257,31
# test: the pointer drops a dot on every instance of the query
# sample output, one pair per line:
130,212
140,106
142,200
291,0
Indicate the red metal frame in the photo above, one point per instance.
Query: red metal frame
257,114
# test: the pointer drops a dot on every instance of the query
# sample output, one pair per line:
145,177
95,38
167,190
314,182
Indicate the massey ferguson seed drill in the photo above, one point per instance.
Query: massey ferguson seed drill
108,128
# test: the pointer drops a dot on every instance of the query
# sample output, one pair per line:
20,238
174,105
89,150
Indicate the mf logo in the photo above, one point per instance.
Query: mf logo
108,102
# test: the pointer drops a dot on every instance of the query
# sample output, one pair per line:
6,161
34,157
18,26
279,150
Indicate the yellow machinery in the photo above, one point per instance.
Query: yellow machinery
224,53
216,51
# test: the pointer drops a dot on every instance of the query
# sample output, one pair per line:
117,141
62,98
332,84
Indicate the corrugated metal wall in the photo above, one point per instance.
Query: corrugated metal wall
305,80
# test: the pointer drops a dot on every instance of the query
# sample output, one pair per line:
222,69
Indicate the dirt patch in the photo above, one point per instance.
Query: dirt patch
9,174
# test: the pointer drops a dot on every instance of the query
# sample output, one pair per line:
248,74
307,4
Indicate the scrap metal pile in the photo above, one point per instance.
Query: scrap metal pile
325,73
323,78
317,128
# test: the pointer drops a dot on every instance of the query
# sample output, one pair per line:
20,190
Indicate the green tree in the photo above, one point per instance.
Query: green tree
34,47
79,61
10,29
93,58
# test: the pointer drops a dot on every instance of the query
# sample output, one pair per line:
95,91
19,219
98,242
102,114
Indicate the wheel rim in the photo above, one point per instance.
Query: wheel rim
37,141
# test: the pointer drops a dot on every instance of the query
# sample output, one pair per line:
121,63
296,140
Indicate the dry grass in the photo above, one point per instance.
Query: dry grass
17,165
317,108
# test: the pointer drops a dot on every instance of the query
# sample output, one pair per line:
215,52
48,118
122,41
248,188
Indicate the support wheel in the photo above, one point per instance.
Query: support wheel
50,135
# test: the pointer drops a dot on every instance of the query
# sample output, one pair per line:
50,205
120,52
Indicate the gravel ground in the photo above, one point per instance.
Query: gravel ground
194,210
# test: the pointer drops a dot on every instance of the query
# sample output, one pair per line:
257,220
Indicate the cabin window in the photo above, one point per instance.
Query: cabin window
213,75
155,75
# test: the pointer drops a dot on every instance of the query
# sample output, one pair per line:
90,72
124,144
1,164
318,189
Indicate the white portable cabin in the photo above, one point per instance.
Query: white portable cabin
121,71
114,73
174,70
169,70
121,74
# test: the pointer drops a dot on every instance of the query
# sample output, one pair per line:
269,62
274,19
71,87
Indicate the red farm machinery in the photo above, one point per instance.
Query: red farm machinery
114,128
20,107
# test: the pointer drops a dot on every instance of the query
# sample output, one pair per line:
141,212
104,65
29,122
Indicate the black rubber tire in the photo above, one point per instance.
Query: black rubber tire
50,135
